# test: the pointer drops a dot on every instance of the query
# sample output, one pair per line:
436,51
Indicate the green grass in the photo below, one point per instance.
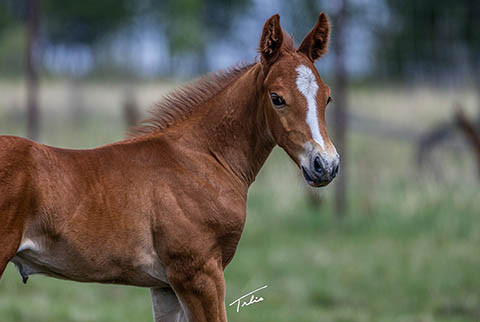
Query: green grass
406,251
396,262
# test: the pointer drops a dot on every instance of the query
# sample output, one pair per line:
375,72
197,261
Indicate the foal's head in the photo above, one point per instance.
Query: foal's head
295,98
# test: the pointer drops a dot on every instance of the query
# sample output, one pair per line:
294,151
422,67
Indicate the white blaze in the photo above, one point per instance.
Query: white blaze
307,85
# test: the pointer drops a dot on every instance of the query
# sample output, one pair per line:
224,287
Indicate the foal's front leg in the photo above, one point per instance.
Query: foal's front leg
202,292
11,230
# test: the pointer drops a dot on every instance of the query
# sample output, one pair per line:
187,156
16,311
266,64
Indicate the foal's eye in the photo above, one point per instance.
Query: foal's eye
329,99
277,100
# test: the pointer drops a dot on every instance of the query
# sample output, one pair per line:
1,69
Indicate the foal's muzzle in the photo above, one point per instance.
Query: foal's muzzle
320,171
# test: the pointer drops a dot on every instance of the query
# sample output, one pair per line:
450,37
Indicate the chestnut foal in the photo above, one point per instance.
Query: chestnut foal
166,208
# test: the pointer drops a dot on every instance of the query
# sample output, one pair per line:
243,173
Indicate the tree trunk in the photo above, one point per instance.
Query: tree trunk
130,109
340,108
77,100
33,117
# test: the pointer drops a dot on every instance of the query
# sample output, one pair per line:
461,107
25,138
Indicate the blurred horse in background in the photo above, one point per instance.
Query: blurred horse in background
165,208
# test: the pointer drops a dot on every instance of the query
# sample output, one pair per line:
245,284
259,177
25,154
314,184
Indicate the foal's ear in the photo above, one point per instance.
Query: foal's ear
271,41
315,44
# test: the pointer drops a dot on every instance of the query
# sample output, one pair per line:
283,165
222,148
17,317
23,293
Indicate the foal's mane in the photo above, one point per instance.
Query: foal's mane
182,102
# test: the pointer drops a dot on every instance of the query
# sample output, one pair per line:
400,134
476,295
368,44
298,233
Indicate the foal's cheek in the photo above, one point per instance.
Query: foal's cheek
275,125
292,138
284,120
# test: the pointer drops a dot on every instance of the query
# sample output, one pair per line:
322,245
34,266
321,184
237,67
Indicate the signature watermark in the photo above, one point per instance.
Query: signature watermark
242,301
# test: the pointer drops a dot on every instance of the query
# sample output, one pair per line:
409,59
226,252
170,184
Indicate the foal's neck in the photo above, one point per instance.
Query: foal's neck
236,129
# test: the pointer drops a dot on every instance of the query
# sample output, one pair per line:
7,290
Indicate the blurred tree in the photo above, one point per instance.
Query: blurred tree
131,112
190,25
306,10
64,22
5,18
341,105
12,48
33,115
12,39
83,22
430,38
13,13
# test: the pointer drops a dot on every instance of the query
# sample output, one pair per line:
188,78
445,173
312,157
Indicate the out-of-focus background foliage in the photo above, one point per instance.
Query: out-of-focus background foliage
395,238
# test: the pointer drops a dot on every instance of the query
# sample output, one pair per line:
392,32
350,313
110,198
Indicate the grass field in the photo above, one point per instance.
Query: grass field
408,249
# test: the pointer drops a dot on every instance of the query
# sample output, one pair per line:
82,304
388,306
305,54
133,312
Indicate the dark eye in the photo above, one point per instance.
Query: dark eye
277,100
329,99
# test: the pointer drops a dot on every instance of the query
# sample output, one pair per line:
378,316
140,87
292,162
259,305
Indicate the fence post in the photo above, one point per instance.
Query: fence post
130,109
33,117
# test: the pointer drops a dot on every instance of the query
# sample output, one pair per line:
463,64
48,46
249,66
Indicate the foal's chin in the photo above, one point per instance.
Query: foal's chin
313,180
318,185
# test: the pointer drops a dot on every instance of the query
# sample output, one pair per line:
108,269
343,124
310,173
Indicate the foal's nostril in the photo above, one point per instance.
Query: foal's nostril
317,165
335,171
